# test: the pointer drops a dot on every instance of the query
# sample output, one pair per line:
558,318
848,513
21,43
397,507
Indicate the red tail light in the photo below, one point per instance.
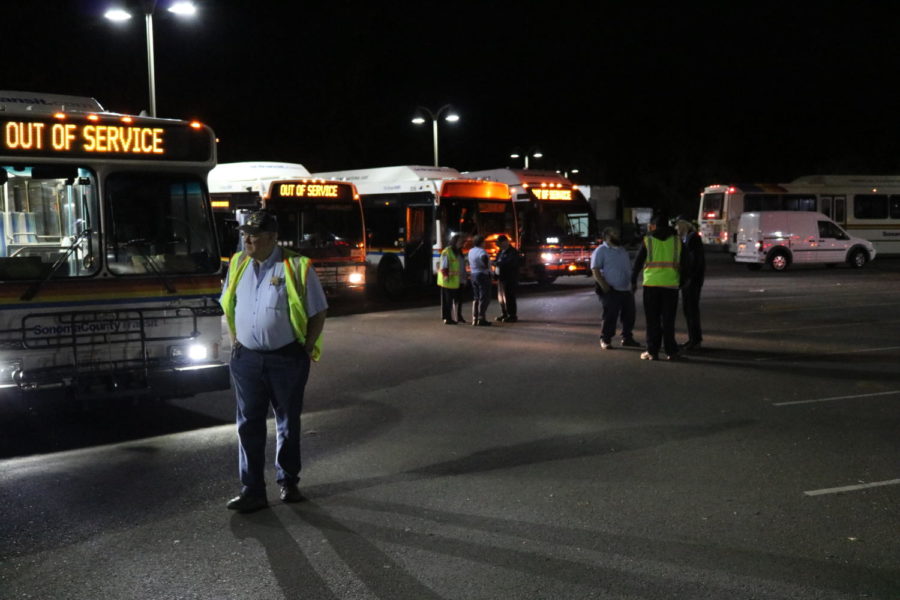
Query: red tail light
712,214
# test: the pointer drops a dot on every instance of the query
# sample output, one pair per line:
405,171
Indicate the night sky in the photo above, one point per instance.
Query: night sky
658,99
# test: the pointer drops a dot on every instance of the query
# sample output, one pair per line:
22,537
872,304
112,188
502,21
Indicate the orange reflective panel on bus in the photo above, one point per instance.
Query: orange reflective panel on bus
475,189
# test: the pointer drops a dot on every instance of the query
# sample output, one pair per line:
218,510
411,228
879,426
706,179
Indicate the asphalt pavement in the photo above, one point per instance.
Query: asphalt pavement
516,461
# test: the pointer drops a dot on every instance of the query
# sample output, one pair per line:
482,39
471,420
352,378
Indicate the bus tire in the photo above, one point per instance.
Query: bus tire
543,279
390,278
779,261
754,266
858,258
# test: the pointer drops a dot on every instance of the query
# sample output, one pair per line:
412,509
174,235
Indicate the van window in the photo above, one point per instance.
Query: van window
870,206
827,229
895,207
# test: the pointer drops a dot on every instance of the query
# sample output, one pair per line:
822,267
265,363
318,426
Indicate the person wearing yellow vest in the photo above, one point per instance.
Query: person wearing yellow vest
451,279
661,261
275,309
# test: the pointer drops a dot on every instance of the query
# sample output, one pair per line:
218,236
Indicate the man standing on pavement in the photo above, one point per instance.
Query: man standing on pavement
661,261
275,308
451,278
479,266
693,283
611,267
507,264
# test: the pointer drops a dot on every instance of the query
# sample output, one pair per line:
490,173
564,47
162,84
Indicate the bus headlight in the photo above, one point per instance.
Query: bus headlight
190,353
549,257
356,278
9,368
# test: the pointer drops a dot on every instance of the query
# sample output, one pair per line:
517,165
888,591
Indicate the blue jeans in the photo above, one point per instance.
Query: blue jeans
481,288
260,379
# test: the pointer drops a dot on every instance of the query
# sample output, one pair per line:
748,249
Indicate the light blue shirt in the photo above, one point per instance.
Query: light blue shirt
614,264
478,261
262,320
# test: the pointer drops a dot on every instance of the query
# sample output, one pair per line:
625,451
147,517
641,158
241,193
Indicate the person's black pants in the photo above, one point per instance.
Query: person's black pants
506,295
690,298
617,304
660,308
451,298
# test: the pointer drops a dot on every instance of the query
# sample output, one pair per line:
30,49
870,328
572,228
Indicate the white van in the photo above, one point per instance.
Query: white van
780,238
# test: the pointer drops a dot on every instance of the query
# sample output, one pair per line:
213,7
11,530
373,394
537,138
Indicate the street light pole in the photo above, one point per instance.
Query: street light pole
419,119
533,152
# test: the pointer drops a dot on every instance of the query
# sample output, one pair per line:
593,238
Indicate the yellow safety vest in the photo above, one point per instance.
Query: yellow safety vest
452,279
294,264
662,268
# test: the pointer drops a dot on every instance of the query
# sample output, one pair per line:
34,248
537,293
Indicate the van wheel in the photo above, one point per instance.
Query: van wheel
779,261
858,259
754,266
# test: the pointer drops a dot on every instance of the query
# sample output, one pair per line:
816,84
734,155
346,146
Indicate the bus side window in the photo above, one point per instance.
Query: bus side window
825,206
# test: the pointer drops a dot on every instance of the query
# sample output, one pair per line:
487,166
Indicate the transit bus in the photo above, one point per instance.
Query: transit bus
556,226
411,212
108,255
866,206
318,218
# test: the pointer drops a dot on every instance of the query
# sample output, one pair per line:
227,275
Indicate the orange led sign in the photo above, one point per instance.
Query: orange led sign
552,194
311,189
73,137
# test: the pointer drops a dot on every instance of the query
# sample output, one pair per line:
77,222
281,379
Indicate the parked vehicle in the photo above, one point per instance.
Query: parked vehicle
782,238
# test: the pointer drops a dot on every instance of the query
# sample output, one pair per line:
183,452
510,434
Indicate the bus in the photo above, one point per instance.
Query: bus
556,226
318,218
412,211
866,206
109,261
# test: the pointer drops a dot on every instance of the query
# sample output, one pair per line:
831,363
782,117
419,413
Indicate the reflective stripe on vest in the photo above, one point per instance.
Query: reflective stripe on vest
452,279
663,262
294,265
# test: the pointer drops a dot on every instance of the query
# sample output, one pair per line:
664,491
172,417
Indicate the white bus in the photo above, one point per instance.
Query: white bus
108,256
556,229
318,218
866,206
412,211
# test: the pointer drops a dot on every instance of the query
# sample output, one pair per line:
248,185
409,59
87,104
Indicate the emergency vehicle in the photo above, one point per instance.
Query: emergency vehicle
108,255
318,218
556,227
411,212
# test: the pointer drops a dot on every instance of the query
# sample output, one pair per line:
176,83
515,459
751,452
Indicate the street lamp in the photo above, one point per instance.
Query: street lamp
566,173
533,153
420,119
183,8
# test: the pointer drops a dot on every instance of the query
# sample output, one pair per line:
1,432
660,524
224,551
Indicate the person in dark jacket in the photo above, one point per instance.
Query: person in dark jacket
661,261
693,282
507,268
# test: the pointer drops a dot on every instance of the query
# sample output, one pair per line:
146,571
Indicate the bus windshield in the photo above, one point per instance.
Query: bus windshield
567,223
471,216
159,223
48,222
320,230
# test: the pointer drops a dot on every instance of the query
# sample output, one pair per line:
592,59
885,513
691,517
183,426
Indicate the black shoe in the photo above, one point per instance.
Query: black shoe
511,319
461,320
246,503
630,343
449,322
500,319
690,346
291,493
673,357
483,323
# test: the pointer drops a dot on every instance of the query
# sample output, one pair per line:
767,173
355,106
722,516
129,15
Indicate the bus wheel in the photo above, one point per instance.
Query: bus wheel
858,258
754,266
543,278
779,261
390,279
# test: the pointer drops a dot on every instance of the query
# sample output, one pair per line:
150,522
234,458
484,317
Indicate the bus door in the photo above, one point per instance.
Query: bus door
419,242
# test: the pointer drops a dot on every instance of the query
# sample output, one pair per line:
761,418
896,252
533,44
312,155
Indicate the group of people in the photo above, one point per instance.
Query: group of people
452,278
275,309
670,259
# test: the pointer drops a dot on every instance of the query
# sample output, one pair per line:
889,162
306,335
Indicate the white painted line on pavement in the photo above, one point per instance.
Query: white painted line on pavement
833,398
852,488
789,356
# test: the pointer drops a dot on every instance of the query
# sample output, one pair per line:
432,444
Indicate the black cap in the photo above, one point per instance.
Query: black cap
260,220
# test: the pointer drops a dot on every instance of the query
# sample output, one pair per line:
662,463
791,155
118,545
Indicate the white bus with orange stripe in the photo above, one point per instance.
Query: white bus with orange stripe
412,211
320,219
108,256
866,206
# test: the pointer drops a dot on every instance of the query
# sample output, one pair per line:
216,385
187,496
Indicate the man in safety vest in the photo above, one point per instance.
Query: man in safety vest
451,278
661,261
275,308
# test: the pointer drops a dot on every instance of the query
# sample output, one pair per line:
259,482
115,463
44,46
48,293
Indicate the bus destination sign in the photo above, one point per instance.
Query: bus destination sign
50,138
327,190
552,194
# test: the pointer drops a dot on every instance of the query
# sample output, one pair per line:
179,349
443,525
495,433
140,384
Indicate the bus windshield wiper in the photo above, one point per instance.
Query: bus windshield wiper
139,244
32,291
